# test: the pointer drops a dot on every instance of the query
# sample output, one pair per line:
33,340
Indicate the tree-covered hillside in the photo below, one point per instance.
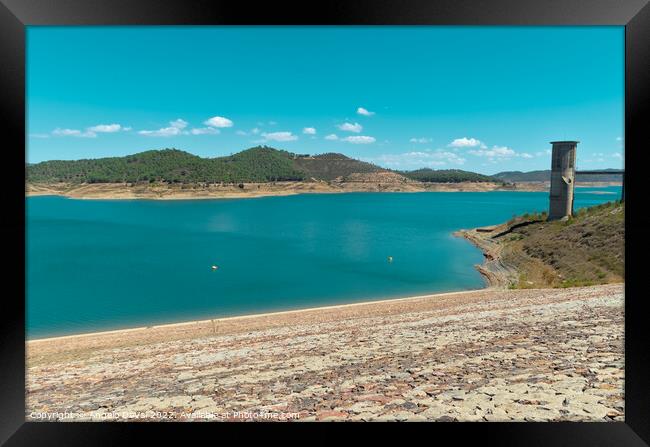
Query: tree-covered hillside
447,176
259,164
331,165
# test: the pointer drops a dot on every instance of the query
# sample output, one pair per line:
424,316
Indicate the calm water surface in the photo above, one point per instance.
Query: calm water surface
105,264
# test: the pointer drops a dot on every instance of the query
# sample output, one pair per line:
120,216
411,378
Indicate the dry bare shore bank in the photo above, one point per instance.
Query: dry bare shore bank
177,191
486,355
532,252
496,272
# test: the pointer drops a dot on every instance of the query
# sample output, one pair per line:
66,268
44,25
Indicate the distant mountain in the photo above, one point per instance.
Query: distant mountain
545,176
331,165
257,164
446,176
600,177
518,176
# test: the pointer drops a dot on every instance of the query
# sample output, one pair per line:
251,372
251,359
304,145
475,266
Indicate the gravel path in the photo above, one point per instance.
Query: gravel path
488,355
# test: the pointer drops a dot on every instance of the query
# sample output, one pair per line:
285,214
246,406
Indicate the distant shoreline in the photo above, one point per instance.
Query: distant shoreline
251,190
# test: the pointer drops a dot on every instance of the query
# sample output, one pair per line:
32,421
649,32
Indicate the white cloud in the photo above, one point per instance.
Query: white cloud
90,132
255,131
359,139
619,138
364,112
39,135
309,131
501,153
349,127
279,136
418,159
466,142
218,121
73,133
241,132
175,128
332,136
205,131
164,132
495,152
450,157
420,140
66,132
105,128
179,123
617,155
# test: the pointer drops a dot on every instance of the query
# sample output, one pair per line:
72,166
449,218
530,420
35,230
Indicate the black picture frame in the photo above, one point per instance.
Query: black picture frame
15,15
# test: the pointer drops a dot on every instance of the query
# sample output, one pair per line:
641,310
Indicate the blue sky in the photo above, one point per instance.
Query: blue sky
485,99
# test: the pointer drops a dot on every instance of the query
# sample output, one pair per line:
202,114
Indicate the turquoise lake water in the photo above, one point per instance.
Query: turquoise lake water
106,264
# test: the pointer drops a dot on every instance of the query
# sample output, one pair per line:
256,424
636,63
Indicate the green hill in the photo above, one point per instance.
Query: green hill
446,176
331,165
259,164
587,249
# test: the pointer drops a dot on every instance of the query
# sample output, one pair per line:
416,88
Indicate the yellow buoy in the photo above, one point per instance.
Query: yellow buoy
214,267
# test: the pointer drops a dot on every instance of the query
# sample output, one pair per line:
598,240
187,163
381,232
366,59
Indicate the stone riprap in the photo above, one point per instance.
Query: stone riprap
488,355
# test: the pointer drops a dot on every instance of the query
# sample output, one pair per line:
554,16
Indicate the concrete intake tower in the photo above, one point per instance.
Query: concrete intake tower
563,175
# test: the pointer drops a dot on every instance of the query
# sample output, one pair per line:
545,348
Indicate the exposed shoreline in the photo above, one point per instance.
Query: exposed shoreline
497,273
251,190
210,321
532,252
483,355
248,190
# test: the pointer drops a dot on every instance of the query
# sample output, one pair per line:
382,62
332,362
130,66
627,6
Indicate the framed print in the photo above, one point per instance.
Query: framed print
361,214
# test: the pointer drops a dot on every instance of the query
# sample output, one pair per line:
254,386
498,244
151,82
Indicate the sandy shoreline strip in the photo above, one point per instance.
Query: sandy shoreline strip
167,326
252,190
205,327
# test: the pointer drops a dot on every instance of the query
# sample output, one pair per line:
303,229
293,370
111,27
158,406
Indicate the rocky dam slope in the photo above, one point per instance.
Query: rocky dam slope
486,355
